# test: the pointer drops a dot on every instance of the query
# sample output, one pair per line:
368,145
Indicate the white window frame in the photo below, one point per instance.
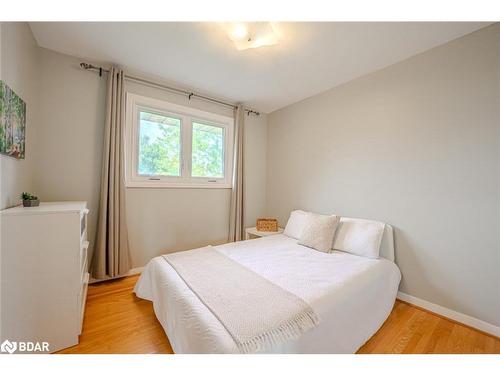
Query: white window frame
134,104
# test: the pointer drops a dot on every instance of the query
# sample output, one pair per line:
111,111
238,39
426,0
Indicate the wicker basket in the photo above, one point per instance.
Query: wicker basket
267,225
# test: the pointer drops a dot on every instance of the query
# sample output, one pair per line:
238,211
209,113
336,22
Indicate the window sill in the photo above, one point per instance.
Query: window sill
176,185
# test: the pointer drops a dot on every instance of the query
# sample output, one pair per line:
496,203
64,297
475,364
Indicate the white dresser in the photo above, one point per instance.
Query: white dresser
44,273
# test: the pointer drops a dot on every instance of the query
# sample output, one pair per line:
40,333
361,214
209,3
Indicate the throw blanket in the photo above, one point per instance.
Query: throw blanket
256,312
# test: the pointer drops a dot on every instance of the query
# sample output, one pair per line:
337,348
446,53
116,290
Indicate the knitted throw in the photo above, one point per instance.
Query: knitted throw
257,313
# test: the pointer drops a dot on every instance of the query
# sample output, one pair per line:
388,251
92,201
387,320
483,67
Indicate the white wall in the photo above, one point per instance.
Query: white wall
19,70
255,168
160,220
415,145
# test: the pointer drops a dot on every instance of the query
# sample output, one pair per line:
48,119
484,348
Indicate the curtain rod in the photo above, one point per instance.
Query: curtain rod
189,94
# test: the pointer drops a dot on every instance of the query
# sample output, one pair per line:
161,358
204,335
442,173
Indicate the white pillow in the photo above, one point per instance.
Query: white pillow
319,231
359,237
295,224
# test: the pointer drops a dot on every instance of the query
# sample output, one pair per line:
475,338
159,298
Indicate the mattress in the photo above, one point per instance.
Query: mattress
352,296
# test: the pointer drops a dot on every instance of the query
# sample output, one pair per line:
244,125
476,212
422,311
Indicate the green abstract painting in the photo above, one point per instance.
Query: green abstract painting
12,122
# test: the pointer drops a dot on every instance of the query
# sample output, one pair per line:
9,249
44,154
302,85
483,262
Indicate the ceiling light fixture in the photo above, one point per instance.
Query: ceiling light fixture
252,34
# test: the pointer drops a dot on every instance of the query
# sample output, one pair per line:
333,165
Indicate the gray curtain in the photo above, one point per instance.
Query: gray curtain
236,228
111,253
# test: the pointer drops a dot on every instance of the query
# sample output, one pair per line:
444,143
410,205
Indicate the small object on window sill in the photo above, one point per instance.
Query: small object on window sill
267,225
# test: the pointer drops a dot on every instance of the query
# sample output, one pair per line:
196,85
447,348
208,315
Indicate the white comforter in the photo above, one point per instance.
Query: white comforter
351,295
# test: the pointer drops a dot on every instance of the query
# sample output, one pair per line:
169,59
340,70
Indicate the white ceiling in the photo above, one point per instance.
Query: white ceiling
310,58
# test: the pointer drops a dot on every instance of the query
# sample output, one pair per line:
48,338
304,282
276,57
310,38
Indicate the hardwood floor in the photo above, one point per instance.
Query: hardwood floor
116,321
412,330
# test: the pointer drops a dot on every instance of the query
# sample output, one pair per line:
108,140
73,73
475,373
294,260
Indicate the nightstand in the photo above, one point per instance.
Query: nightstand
252,232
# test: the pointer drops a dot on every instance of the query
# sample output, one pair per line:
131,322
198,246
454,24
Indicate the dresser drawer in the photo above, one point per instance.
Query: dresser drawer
83,225
82,297
84,249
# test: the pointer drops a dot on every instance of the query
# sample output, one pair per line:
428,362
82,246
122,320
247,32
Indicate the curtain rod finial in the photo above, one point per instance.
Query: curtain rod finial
85,65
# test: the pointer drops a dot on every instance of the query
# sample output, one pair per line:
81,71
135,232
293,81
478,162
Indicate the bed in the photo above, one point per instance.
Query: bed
351,294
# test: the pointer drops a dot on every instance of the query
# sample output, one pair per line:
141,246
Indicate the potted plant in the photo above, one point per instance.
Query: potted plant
30,200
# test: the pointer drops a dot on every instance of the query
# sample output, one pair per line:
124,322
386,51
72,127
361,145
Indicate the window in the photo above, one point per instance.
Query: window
208,151
159,145
168,145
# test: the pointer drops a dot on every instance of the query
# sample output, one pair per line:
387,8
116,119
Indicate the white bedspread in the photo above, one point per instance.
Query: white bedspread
351,295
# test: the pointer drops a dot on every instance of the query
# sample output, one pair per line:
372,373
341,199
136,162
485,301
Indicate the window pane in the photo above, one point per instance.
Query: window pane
208,151
159,145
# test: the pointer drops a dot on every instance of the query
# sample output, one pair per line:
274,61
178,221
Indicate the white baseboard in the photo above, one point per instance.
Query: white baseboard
131,272
451,314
